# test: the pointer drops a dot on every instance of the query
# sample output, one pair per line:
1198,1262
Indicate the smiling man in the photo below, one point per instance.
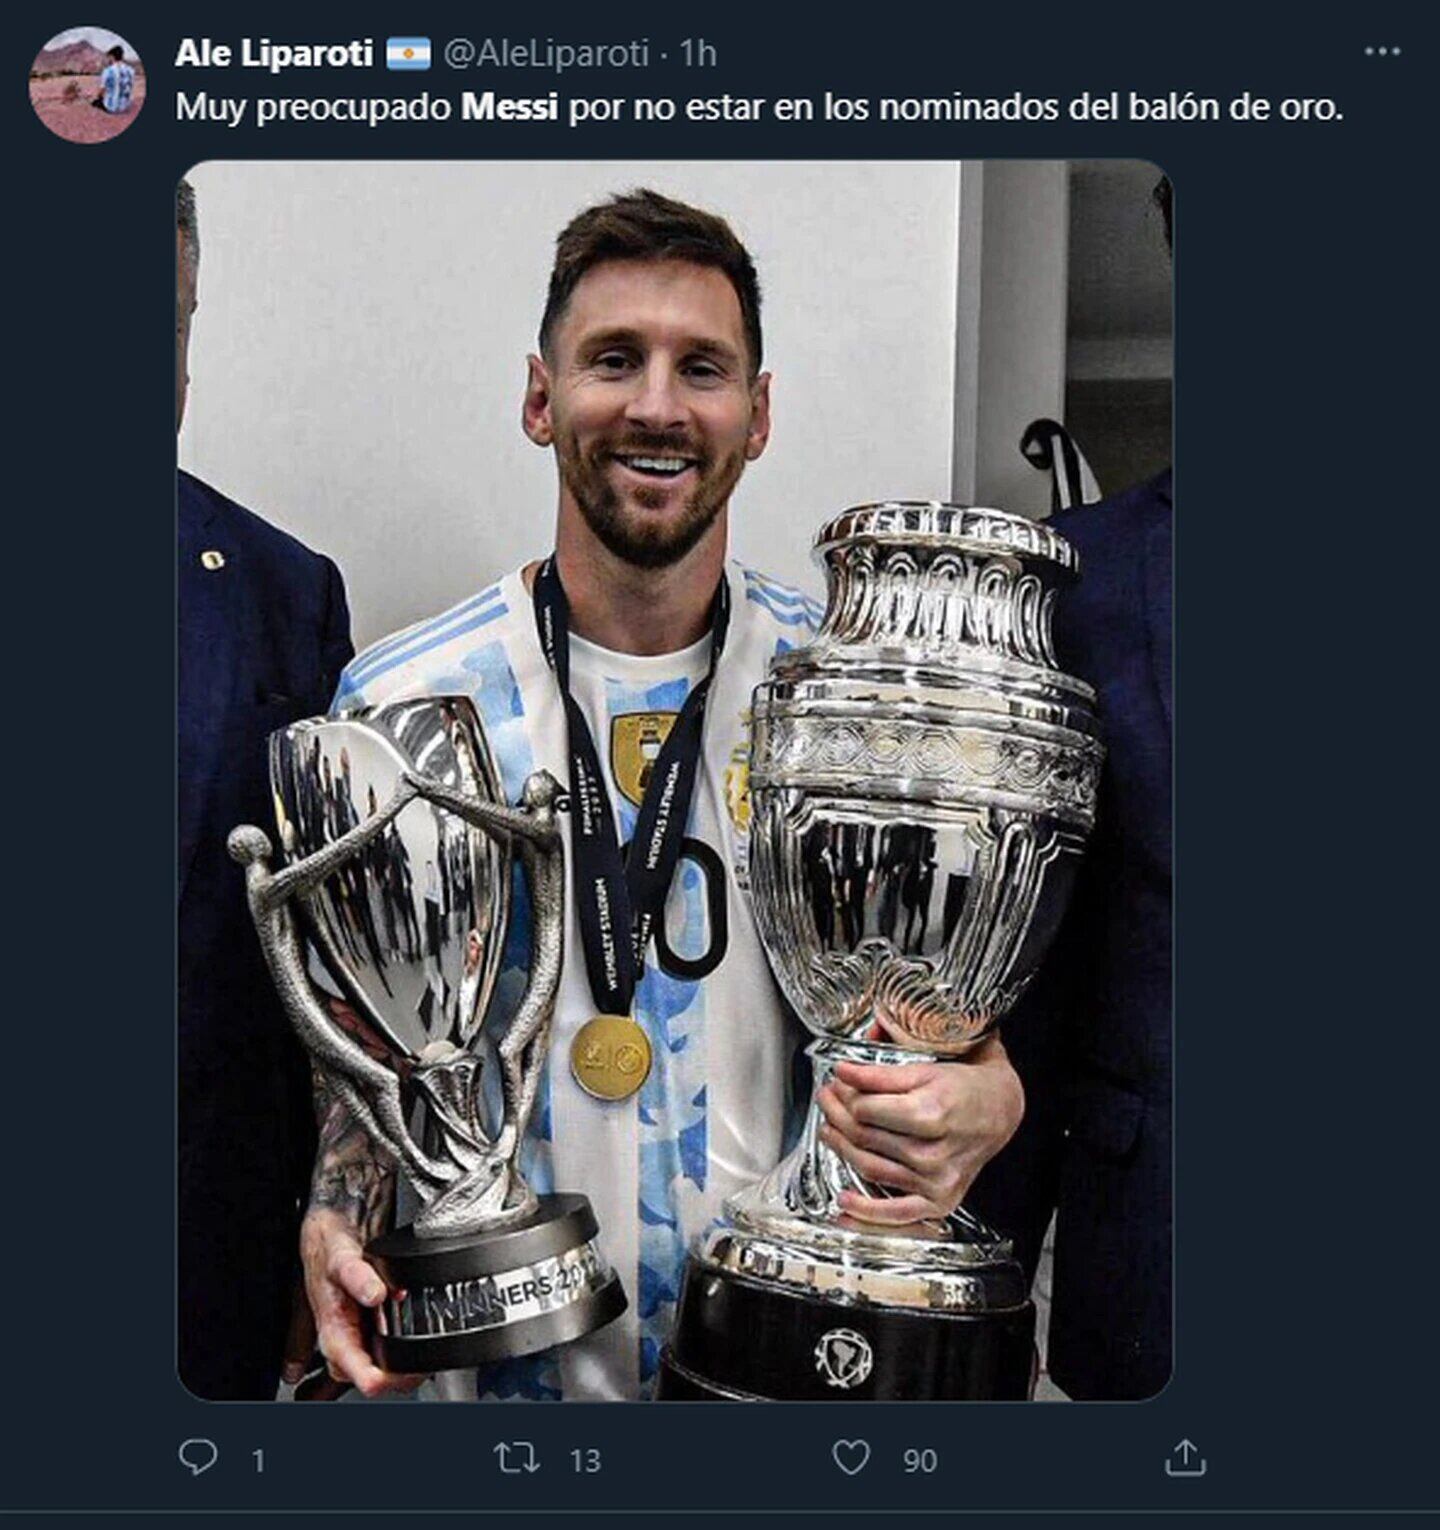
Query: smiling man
648,386
624,663
679,452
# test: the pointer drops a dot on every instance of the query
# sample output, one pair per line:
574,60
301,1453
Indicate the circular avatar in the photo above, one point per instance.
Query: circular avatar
87,85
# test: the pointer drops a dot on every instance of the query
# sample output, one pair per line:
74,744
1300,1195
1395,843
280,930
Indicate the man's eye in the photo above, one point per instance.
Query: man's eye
612,361
704,371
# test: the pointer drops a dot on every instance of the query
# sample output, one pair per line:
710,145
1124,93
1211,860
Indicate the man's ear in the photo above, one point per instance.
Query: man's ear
759,433
535,412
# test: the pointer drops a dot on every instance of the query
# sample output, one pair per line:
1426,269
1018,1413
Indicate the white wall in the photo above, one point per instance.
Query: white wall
357,359
1014,266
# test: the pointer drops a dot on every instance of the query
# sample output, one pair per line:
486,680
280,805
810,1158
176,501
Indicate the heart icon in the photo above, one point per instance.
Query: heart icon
851,1456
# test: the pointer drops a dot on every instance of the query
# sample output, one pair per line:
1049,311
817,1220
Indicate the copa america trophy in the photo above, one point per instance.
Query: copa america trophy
398,848
922,780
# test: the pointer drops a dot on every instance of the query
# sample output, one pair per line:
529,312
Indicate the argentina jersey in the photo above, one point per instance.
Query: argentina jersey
712,1114
117,87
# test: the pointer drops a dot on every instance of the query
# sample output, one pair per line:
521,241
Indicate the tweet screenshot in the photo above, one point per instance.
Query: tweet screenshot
734,771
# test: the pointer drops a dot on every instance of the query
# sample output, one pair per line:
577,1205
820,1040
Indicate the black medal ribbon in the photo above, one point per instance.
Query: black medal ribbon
619,897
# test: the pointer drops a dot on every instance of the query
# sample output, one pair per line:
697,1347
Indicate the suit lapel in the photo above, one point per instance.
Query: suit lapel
209,608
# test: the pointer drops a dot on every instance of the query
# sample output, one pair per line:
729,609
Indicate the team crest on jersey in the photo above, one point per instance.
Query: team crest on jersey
737,778
636,739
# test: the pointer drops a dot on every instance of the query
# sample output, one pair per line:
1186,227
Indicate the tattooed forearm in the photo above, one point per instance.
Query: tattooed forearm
352,1175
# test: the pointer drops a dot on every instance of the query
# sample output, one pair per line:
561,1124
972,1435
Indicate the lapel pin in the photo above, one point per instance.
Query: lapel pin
212,560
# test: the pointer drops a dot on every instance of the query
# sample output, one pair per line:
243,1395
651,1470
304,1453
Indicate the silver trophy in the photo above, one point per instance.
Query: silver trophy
398,848
923,777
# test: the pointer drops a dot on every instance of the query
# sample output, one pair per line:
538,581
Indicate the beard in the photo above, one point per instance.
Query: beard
621,522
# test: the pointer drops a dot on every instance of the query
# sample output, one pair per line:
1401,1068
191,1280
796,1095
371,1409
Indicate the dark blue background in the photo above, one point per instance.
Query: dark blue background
1305,484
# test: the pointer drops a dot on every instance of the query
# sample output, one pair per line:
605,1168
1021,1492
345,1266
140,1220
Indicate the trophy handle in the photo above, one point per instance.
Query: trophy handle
370,1089
464,1188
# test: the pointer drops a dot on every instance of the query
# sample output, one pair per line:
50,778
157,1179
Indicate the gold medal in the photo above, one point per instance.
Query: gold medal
610,1057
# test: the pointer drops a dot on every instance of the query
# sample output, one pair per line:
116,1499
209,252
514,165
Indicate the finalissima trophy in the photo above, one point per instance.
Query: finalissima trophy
398,847
922,780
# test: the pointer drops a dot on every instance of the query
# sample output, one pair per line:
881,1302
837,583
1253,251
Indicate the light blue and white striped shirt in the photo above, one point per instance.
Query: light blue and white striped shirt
715,1111
117,83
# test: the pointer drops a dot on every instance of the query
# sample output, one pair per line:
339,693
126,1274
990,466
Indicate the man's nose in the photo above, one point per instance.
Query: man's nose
658,402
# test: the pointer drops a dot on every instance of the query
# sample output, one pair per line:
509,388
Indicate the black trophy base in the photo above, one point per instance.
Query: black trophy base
455,1303
738,1339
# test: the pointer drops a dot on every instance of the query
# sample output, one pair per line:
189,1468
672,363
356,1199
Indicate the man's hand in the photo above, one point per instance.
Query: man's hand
924,1130
299,1337
339,1283
352,1191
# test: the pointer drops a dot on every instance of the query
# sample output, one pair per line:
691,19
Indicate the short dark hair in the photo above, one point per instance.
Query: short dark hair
643,225
117,51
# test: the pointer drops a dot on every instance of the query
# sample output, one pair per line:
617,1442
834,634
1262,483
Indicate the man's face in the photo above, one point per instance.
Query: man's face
184,307
649,403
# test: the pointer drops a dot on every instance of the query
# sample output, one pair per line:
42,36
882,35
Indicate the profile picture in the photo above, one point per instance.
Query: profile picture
87,84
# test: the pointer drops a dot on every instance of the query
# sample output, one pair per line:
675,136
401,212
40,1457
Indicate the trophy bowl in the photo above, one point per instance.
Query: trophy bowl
398,849
411,930
923,778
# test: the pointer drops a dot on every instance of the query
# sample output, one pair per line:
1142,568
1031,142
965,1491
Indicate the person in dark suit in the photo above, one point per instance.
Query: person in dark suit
1091,1040
263,631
